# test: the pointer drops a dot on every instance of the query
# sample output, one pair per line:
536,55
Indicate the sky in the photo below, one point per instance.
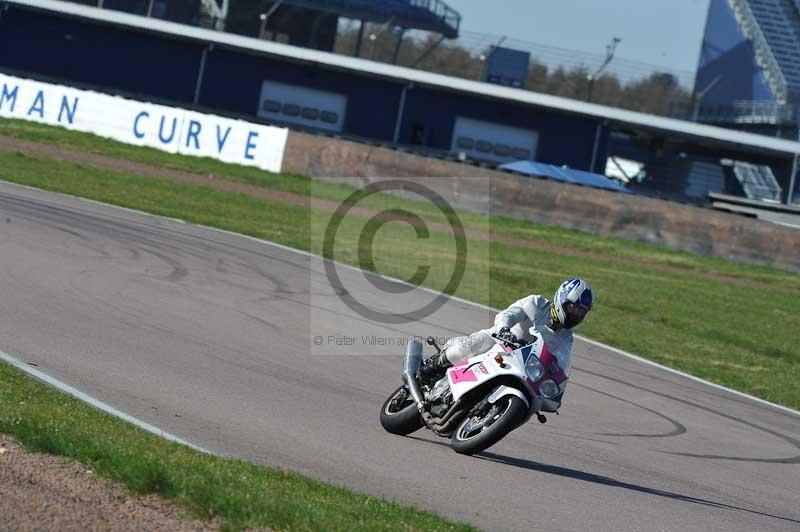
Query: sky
665,33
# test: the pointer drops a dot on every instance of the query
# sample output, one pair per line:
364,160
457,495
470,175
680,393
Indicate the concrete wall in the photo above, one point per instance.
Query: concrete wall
664,223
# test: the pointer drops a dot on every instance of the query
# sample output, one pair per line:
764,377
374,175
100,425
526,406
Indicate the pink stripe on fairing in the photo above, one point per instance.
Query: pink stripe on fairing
547,360
458,375
545,357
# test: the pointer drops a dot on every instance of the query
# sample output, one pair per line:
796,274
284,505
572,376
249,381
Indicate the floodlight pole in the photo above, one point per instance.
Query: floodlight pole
201,73
612,46
792,181
427,52
150,8
498,43
484,75
262,30
373,37
398,45
359,39
697,97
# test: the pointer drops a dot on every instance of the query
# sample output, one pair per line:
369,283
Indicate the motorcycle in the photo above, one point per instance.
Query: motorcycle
480,400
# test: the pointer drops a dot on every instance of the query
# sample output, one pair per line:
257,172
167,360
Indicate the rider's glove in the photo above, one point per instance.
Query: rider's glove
506,335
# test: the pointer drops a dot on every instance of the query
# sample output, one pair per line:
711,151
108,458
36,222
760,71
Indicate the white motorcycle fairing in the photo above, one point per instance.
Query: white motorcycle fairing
479,369
502,391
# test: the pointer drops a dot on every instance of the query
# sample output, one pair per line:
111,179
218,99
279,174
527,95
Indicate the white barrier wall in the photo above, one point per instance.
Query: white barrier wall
144,124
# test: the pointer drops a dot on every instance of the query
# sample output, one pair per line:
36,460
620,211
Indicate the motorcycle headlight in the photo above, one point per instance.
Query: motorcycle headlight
548,389
534,369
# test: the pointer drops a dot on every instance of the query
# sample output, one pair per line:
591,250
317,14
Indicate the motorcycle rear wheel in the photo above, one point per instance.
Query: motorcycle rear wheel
399,414
481,430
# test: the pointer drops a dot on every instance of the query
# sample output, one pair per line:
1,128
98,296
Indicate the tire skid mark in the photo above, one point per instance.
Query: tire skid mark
55,226
677,430
179,271
788,439
688,386
118,228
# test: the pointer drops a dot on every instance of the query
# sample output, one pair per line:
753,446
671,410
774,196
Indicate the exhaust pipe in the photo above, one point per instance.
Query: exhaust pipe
445,424
411,363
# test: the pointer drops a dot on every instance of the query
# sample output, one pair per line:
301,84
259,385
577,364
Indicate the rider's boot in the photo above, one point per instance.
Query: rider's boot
434,368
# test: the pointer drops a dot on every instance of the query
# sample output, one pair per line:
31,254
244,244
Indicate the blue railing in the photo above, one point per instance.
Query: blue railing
738,112
764,53
432,15
442,11
780,22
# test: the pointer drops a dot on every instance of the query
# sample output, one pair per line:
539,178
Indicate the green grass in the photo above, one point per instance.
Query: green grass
241,494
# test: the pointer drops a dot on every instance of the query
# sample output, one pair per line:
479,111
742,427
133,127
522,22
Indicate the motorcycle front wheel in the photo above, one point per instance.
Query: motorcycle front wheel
399,414
487,424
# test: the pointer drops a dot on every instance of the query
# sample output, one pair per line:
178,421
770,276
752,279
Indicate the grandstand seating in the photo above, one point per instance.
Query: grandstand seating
780,23
757,181
682,179
703,177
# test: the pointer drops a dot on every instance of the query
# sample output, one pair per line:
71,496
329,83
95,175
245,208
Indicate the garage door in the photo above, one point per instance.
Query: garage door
293,104
497,143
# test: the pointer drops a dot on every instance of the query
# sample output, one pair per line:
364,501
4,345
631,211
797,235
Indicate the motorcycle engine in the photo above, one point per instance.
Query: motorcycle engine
440,397
441,386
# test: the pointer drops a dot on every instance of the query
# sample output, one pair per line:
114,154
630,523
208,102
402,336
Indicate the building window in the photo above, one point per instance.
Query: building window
290,109
466,143
483,146
310,113
329,117
271,106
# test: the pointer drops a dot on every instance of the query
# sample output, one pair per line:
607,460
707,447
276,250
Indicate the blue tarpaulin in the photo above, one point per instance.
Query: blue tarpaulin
568,175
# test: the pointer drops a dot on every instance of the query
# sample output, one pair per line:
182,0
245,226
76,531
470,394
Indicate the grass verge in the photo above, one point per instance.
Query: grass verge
241,494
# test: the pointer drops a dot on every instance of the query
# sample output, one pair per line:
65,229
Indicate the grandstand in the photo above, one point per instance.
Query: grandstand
749,72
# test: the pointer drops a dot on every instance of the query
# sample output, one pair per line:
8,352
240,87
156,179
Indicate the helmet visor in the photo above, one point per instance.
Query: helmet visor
575,313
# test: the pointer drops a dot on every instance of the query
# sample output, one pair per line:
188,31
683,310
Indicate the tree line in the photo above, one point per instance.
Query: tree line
655,93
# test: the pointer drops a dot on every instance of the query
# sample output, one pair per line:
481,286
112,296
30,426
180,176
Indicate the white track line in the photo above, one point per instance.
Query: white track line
100,405
478,305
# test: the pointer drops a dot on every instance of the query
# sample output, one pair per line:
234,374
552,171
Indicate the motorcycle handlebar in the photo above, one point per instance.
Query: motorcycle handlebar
515,345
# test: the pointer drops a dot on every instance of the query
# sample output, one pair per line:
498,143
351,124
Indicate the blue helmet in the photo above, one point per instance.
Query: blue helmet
572,301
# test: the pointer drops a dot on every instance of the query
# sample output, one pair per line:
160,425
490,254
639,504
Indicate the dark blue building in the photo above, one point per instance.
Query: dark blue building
269,82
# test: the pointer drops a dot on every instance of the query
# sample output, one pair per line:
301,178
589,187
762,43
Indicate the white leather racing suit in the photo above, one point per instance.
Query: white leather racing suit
524,317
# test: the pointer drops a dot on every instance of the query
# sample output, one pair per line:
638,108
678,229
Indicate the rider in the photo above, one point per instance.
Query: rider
553,320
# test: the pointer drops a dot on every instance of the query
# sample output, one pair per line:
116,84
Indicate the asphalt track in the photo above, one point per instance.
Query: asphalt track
210,336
